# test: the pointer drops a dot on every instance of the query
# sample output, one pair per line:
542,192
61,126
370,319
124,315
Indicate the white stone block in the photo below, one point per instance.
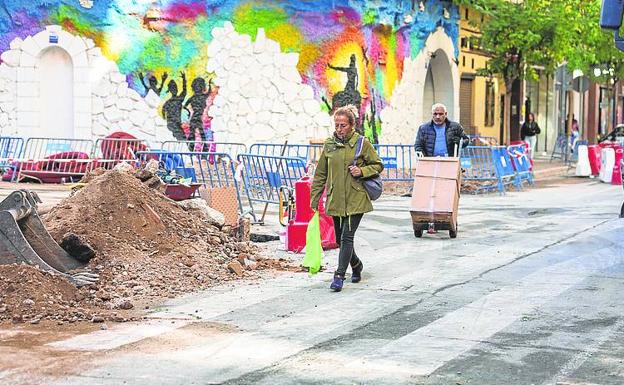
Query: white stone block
53,28
214,48
243,107
113,114
30,46
279,107
28,89
7,99
262,132
88,42
268,71
252,118
98,129
234,98
290,59
110,100
102,89
276,121
229,64
267,104
290,93
116,77
11,57
132,94
97,106
152,99
311,107
291,75
227,46
296,105
322,119
272,46
241,121
292,120
263,116
228,27
125,125
265,59
212,65
233,83
306,92
122,89
16,43
255,104
26,60
42,39
125,104
138,118
28,104
149,124
65,40
244,41
77,46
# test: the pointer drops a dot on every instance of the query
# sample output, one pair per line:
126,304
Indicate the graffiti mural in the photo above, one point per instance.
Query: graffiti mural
349,52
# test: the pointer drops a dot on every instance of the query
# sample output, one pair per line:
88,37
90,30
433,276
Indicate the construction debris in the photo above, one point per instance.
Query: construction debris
147,247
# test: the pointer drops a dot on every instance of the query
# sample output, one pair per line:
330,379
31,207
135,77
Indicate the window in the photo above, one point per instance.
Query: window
466,11
490,103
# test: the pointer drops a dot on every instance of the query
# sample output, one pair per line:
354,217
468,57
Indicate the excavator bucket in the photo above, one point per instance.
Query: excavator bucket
24,239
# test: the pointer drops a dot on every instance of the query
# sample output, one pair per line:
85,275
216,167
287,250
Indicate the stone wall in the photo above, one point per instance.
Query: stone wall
102,101
261,96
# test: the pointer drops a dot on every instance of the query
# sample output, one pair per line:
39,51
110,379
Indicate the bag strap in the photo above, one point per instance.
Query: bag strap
358,149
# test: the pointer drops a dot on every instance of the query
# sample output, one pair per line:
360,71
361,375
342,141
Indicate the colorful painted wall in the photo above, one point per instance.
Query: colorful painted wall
343,52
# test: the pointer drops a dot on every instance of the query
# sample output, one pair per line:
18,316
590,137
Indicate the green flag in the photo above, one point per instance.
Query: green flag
313,250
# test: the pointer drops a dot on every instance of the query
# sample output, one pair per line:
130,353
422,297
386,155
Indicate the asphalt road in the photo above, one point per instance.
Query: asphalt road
529,293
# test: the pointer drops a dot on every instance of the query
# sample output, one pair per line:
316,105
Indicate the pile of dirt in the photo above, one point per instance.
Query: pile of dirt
30,295
147,248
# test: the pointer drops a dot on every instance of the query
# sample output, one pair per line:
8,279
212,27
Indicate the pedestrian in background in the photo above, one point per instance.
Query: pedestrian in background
529,132
340,174
440,136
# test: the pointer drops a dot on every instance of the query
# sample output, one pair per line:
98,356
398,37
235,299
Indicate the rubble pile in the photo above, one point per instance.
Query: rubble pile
147,247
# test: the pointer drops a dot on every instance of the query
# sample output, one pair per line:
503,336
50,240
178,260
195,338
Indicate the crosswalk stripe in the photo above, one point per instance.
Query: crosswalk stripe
459,331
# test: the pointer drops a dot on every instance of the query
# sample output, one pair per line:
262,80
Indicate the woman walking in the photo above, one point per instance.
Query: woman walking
340,173
529,132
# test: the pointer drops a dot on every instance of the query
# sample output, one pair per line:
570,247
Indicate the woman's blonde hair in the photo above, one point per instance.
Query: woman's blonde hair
349,111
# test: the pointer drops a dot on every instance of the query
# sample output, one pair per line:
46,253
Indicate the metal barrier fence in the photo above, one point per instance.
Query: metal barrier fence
231,148
521,163
561,148
490,166
309,153
10,152
264,175
220,172
109,152
399,161
55,160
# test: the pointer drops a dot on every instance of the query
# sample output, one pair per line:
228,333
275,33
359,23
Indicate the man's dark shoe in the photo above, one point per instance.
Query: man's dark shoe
356,276
336,284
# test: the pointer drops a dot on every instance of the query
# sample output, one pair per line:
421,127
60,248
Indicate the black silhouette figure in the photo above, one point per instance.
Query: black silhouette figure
153,83
172,109
350,94
198,105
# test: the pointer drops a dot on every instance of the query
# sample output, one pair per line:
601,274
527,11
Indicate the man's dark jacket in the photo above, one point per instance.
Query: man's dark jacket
425,140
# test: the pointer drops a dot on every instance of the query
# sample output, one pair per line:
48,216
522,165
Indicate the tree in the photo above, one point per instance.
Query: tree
521,35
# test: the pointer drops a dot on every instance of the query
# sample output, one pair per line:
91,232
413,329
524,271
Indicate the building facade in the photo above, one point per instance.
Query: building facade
228,70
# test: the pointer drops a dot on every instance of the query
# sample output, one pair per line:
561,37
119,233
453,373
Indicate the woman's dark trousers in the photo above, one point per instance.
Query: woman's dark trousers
345,228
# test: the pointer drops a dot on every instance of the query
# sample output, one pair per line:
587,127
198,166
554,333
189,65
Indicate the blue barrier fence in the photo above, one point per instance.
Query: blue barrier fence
399,161
521,163
490,166
11,149
231,148
211,169
309,153
264,175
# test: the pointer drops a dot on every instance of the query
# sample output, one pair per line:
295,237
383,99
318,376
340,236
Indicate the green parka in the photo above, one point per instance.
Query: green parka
345,194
